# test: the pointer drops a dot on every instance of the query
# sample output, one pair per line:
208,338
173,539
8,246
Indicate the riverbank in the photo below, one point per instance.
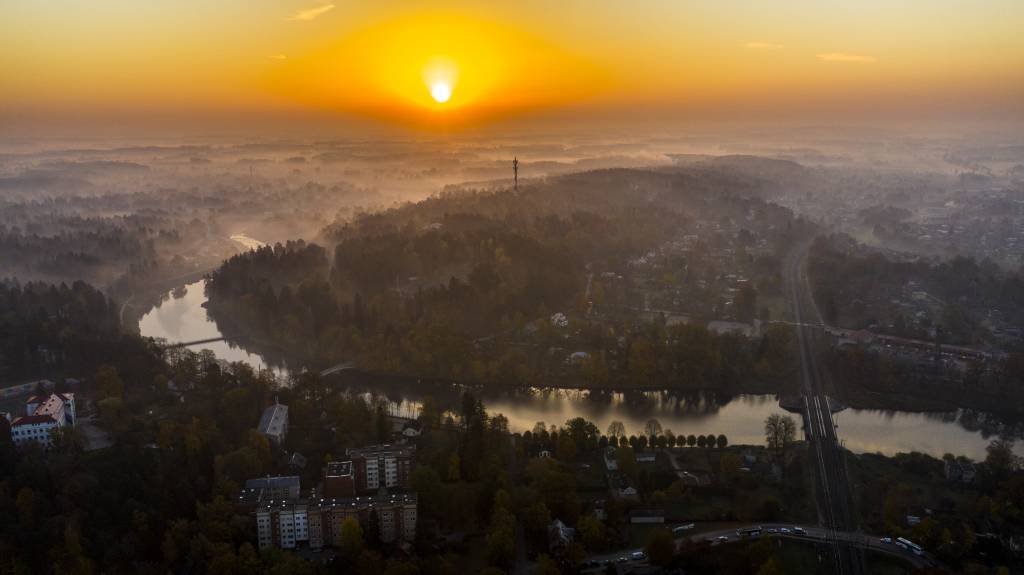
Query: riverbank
930,399
699,411
135,306
149,295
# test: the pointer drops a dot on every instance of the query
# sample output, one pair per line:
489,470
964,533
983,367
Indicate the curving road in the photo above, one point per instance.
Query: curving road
845,539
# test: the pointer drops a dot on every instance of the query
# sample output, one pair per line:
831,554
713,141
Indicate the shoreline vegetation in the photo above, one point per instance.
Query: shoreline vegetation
554,286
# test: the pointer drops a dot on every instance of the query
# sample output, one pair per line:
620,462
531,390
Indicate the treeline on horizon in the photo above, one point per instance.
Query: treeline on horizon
462,286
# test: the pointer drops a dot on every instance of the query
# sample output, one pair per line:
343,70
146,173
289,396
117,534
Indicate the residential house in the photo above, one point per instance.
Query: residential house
274,423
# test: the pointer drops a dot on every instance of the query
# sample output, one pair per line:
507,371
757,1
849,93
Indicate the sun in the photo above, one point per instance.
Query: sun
441,92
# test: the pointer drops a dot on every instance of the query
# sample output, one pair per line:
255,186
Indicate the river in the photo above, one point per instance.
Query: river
740,418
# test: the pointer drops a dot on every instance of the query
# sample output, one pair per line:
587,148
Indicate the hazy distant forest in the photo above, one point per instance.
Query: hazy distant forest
462,286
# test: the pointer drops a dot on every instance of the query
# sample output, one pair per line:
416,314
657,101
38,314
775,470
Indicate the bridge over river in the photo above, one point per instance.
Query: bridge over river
174,344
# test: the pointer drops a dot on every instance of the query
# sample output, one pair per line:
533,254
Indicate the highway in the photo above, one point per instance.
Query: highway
847,539
832,489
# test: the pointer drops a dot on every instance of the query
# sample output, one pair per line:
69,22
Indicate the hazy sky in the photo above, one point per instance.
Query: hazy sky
260,61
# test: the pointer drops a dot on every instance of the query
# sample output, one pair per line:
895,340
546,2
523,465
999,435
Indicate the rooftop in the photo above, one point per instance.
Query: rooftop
378,450
371,500
273,420
339,469
250,496
33,419
273,482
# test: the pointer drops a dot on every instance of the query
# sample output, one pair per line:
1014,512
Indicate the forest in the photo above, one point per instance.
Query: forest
858,288
59,331
463,287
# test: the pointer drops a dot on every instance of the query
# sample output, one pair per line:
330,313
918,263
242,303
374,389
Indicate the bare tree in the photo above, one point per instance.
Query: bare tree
779,431
652,428
616,429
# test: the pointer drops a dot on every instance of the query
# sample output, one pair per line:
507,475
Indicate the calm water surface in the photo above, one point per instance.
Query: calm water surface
740,418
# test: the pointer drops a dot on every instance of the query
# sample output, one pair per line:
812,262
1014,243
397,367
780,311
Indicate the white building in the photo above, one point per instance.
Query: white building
382,466
274,422
720,327
43,414
559,319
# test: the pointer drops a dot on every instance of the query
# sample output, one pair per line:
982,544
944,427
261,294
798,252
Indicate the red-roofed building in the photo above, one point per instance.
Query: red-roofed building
43,414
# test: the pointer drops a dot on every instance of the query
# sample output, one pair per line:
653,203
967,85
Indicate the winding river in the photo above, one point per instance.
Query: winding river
740,418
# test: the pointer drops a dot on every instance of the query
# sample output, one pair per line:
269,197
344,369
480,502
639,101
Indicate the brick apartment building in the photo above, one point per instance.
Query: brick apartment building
368,469
317,522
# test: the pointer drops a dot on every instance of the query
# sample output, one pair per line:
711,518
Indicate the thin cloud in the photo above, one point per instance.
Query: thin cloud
312,13
847,58
762,46
278,57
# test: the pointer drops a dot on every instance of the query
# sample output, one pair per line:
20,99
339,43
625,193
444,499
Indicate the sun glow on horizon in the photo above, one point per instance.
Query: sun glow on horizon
439,75
441,92
409,72
118,62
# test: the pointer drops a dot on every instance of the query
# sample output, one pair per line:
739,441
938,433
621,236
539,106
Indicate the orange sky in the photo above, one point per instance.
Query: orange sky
315,61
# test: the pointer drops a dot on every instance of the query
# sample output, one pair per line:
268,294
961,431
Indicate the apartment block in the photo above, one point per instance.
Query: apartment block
382,466
317,523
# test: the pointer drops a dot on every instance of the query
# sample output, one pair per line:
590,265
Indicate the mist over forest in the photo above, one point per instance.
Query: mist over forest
417,282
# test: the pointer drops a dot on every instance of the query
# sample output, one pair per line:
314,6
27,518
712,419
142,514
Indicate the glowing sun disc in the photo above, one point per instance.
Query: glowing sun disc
441,92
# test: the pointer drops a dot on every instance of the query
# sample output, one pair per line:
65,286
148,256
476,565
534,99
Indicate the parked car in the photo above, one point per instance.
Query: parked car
886,540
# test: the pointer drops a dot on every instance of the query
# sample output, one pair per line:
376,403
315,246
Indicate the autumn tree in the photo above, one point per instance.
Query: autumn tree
779,431
660,548
546,565
625,459
108,382
352,542
501,538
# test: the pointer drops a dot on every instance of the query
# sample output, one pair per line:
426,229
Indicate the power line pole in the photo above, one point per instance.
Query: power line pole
515,173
